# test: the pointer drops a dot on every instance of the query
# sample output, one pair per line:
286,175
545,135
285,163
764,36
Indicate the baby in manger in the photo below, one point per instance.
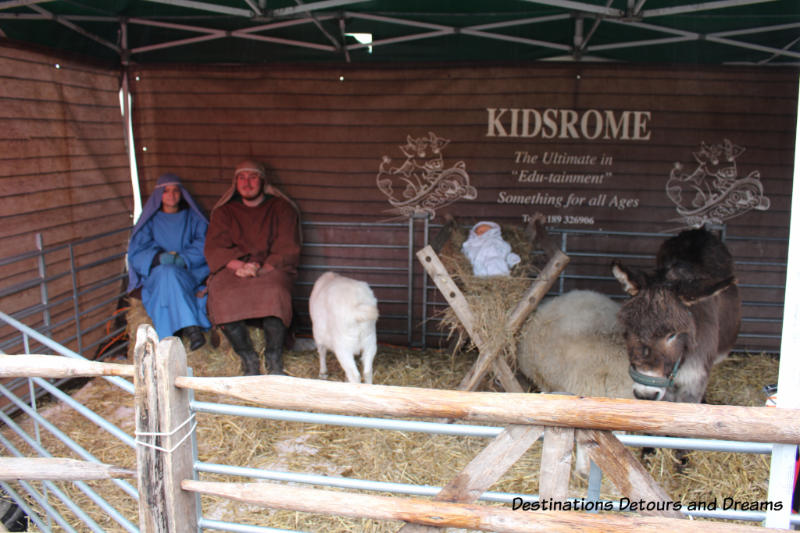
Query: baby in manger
488,253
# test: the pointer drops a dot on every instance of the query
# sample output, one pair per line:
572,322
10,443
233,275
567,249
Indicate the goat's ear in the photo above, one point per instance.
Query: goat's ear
694,292
629,280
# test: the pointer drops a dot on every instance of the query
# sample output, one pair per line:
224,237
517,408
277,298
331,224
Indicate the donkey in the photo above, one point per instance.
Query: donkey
681,319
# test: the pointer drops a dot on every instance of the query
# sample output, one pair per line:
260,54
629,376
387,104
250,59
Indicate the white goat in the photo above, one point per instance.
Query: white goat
343,316
574,344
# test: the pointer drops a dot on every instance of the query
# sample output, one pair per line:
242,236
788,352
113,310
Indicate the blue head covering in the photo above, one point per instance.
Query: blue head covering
153,206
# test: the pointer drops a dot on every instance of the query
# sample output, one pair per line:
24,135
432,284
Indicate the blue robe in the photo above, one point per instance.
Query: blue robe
169,292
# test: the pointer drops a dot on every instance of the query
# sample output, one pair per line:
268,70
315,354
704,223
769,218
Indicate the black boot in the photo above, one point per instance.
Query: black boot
275,334
195,335
239,338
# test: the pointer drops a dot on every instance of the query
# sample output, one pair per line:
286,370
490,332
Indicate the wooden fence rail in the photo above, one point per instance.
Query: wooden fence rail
58,469
444,514
53,468
164,459
53,366
758,424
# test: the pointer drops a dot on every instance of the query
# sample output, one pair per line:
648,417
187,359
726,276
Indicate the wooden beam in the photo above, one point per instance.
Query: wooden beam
758,424
547,277
624,470
455,298
485,469
58,469
57,366
506,376
163,453
444,514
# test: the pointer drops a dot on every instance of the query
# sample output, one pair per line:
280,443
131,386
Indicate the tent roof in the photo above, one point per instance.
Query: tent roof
751,32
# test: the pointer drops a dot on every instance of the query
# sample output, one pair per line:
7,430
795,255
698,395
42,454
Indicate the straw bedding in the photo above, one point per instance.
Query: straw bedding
401,457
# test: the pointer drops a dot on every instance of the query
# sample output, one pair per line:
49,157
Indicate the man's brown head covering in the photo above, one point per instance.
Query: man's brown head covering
252,166
255,166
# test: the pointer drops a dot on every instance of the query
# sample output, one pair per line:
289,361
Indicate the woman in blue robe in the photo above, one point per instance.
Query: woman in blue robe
165,259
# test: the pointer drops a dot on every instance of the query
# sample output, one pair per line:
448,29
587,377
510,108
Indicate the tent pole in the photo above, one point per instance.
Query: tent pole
127,123
782,467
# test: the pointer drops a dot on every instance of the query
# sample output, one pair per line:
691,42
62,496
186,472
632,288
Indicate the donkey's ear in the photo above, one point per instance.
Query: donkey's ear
694,292
630,280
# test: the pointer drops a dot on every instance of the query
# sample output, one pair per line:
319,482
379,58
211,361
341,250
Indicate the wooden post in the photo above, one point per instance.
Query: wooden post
163,429
556,463
455,298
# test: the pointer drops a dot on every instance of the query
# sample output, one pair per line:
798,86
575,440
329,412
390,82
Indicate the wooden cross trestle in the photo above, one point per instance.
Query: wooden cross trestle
488,355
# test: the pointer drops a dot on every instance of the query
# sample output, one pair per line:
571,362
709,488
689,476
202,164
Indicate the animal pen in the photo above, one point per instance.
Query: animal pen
647,119
510,423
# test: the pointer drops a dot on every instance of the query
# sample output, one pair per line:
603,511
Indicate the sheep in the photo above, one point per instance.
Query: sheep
343,316
573,343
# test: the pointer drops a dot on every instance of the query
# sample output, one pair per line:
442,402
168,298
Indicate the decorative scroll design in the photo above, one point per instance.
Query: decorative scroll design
714,192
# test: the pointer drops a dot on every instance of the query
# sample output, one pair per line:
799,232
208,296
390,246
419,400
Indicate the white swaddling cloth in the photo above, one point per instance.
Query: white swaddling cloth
488,253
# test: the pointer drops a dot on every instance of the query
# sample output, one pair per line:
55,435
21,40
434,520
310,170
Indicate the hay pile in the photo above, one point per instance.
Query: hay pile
136,316
401,457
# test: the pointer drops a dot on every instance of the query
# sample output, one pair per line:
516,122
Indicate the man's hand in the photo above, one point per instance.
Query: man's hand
248,270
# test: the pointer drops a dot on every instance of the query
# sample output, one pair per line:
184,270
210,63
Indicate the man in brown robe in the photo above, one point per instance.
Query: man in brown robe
253,248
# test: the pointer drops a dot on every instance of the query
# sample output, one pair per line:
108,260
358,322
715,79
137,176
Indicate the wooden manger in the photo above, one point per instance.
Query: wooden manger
488,353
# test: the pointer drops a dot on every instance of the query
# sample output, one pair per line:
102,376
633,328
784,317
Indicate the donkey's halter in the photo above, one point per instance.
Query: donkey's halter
654,381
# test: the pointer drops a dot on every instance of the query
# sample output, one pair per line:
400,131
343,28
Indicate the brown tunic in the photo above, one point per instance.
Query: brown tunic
267,234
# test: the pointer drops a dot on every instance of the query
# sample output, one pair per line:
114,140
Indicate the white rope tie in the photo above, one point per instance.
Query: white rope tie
189,433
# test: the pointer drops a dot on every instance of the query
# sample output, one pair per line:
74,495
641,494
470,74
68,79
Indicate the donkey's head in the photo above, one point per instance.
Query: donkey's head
661,327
